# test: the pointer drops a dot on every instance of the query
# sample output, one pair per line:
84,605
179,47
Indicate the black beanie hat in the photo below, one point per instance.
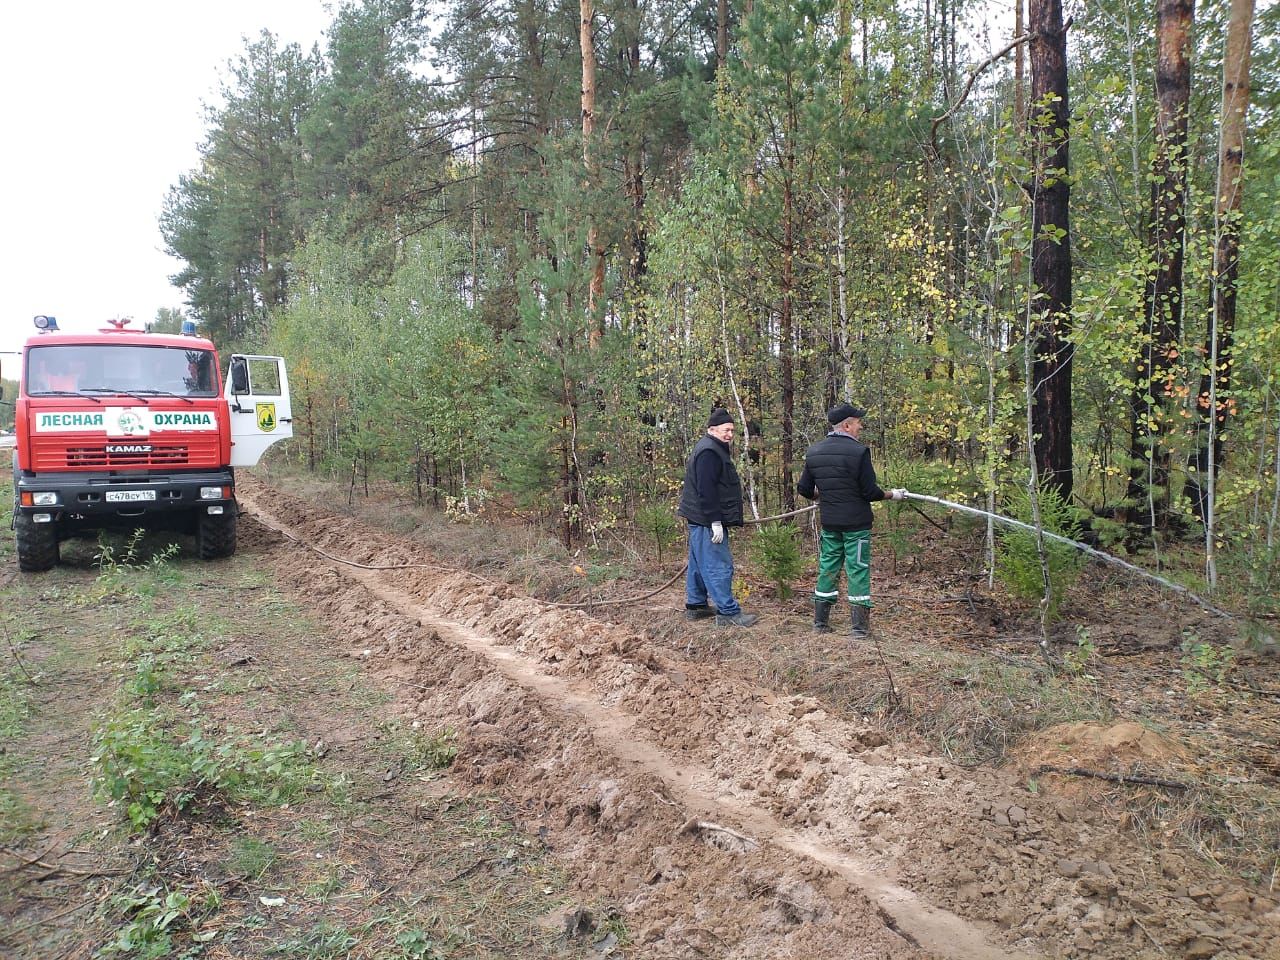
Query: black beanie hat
842,412
718,416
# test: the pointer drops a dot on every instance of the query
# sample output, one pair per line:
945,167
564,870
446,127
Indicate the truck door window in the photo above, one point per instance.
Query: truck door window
264,378
239,376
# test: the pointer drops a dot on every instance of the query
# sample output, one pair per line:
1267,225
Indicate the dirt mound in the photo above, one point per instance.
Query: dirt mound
1117,746
614,746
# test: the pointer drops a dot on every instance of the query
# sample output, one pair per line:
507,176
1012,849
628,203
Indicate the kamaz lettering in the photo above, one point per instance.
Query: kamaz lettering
183,419
128,448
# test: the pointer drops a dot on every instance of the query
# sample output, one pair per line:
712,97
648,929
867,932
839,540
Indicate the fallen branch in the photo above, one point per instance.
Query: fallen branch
25,861
467,870
1115,777
37,861
696,826
48,921
18,659
895,701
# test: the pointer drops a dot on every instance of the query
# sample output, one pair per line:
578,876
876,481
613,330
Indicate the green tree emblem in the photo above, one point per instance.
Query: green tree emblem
266,417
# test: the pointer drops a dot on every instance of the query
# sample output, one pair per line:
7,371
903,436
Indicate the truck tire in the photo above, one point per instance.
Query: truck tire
216,535
37,544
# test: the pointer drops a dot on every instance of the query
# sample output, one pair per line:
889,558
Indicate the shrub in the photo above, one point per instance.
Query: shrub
152,914
658,523
1018,561
778,554
434,752
144,762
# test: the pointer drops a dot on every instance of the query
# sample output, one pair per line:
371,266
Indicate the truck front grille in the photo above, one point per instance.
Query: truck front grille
99,457
49,456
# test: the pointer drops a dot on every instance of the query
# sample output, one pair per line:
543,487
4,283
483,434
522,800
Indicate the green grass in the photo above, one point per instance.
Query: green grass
322,941
17,817
419,749
155,760
251,858
326,886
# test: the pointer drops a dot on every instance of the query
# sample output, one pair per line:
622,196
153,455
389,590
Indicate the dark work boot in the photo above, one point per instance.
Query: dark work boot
861,618
738,619
703,612
822,616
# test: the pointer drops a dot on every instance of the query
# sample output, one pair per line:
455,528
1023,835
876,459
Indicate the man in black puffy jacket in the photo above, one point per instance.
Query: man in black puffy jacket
711,501
838,474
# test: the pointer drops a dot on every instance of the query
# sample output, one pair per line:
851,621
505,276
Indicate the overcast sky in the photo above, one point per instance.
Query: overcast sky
101,108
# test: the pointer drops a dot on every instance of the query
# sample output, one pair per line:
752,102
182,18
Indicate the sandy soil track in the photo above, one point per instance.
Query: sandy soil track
729,821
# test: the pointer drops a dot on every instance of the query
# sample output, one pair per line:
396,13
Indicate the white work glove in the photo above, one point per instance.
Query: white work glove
898,493
717,532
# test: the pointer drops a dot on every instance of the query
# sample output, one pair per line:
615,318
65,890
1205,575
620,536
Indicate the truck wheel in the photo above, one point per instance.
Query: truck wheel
37,544
216,535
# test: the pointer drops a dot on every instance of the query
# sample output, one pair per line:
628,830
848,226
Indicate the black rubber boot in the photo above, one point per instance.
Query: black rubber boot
861,620
822,616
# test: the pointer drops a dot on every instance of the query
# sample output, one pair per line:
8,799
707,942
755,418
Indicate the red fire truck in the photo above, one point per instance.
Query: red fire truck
126,429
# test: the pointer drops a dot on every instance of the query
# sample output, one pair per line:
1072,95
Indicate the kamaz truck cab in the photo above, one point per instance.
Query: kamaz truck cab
127,429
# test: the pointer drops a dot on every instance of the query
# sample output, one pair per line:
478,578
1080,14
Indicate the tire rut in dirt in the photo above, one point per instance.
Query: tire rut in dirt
684,891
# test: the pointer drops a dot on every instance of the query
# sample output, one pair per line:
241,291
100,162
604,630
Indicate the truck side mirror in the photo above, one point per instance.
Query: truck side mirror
239,376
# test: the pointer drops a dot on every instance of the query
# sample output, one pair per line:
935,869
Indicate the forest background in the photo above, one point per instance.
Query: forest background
525,246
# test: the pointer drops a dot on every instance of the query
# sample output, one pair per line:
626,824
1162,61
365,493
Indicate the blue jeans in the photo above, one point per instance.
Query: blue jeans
710,572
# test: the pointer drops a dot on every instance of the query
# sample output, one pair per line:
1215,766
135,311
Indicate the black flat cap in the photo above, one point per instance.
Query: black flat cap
842,412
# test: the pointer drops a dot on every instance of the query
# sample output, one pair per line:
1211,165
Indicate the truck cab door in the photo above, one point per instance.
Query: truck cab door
257,393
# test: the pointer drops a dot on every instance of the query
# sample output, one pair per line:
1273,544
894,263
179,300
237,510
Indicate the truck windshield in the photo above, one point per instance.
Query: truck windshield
110,368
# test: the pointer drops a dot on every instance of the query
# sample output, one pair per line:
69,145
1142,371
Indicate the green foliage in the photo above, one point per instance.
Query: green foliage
1077,661
775,549
15,708
322,941
1204,665
419,750
167,320
1254,569
1018,559
434,752
125,571
417,945
154,761
8,403
152,915
772,233
951,481
251,857
659,525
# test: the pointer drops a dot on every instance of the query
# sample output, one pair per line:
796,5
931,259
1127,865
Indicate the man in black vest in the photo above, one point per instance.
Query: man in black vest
711,500
838,474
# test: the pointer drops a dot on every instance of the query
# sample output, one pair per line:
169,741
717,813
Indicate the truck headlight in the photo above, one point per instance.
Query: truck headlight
214,493
46,498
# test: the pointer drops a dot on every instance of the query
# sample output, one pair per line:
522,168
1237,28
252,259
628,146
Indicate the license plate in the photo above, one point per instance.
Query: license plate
129,496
